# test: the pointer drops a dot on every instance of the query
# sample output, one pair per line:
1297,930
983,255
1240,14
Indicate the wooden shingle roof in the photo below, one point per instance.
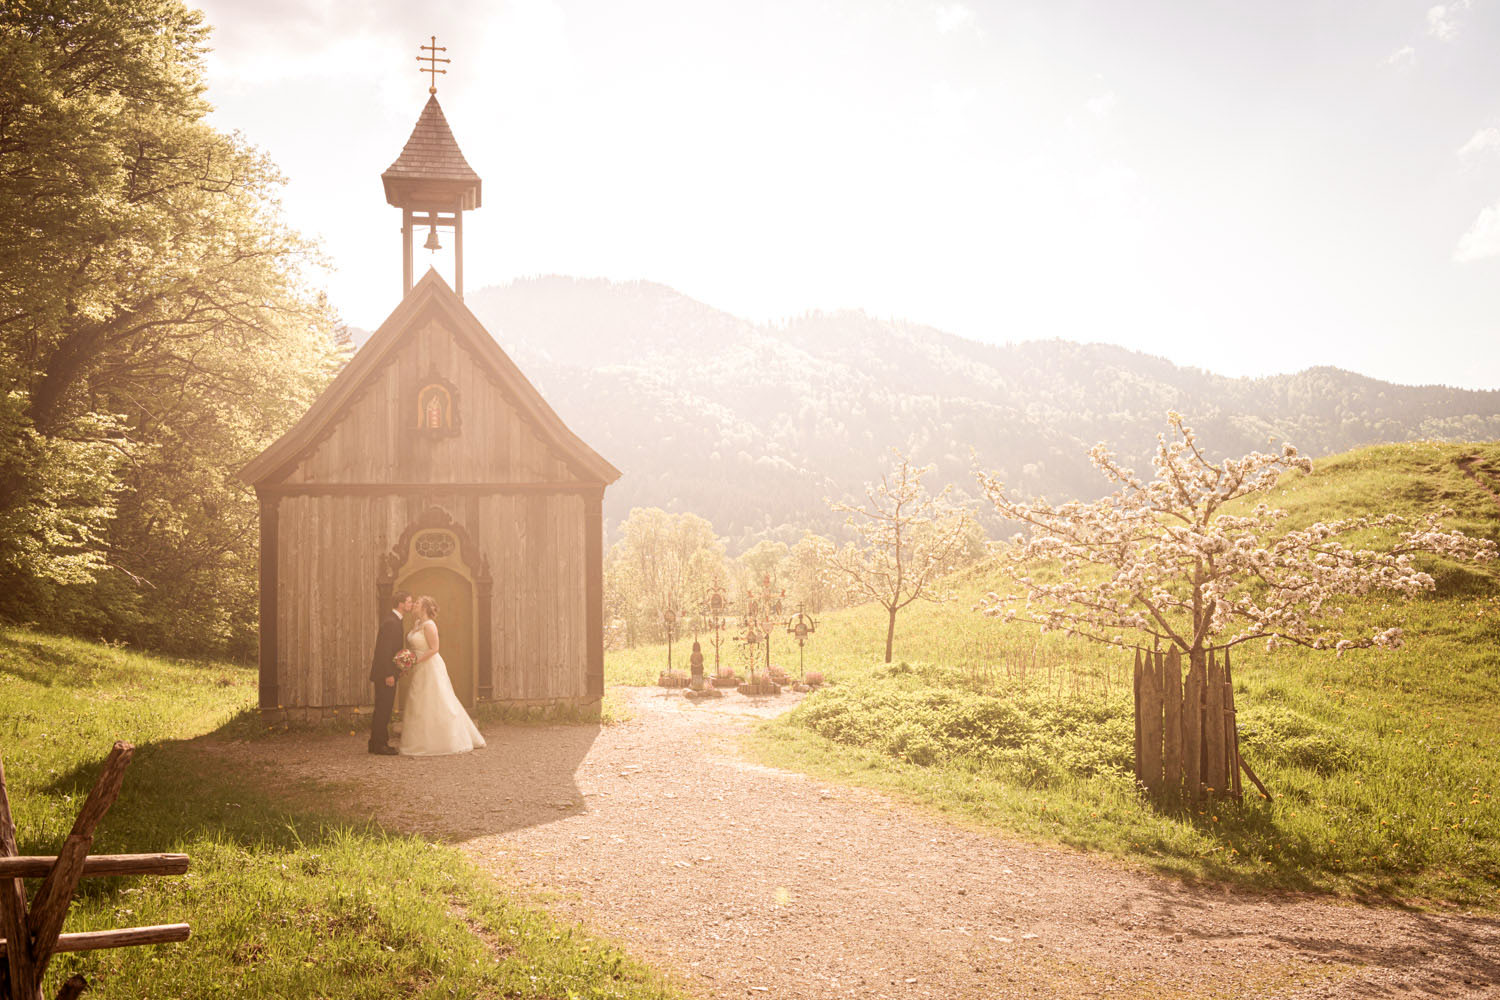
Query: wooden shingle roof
432,160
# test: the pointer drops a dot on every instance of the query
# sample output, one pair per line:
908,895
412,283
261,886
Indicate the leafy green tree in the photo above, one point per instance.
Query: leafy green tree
156,328
57,499
811,581
760,567
661,561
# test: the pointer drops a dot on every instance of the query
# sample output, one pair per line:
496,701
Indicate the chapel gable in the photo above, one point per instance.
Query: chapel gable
432,398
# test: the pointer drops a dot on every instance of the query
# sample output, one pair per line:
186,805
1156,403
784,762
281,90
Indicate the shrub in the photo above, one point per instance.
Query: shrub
1021,732
1284,736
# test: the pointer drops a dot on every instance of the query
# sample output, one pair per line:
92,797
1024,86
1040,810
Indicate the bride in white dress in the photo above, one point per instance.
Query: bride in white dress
433,720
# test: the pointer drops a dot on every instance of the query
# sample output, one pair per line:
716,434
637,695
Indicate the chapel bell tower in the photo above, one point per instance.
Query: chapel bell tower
430,181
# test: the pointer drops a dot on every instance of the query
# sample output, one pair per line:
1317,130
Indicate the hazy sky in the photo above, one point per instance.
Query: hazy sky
1250,187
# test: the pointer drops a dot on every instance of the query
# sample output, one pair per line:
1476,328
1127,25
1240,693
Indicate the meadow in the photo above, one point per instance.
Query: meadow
1380,764
286,897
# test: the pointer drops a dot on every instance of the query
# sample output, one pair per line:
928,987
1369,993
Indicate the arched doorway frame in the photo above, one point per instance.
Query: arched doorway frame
478,565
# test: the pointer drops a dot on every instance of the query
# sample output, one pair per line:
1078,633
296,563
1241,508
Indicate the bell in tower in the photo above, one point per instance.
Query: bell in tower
430,181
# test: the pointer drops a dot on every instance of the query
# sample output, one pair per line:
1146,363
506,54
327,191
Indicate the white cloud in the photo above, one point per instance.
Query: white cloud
951,105
1113,180
1403,58
1483,238
1486,140
1102,105
1442,22
951,17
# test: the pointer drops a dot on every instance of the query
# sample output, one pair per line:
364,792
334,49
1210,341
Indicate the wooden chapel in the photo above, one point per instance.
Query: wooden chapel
431,464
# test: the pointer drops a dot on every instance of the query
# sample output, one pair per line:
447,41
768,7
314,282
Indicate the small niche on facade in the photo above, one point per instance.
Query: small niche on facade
437,408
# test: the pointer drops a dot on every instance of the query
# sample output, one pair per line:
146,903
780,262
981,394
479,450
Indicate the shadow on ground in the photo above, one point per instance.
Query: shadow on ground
294,788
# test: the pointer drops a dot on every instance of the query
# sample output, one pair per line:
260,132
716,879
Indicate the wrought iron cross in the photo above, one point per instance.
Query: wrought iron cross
432,59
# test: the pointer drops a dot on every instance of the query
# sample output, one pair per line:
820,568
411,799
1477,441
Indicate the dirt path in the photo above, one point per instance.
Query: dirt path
745,881
1486,474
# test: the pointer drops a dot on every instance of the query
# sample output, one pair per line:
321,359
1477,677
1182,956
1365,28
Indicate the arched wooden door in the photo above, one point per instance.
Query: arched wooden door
455,600
436,557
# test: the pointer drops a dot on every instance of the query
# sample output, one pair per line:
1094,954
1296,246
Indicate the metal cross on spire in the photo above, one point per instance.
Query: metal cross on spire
432,59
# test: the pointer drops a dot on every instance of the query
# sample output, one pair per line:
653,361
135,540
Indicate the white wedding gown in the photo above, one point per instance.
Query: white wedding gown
433,720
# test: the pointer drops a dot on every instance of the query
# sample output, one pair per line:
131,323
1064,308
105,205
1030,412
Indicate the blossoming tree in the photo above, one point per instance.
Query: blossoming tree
910,538
1178,561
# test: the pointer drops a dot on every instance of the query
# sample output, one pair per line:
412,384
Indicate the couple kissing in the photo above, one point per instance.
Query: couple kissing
433,721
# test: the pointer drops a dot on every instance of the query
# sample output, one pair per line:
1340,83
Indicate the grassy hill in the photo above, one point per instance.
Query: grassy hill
1381,763
286,897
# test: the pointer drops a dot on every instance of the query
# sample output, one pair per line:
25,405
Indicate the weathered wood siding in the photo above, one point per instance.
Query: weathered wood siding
330,547
375,440
540,624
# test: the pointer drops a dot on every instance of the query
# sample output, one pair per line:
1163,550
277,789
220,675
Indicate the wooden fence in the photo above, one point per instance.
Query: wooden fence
1186,742
33,929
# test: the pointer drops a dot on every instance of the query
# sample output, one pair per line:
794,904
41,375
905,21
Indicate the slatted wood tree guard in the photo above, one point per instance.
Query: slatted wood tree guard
33,933
1187,745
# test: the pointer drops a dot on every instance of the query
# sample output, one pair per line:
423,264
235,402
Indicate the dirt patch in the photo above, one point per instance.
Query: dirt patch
746,881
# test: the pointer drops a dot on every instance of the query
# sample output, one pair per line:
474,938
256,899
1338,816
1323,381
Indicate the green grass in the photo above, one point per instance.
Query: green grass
285,898
1381,764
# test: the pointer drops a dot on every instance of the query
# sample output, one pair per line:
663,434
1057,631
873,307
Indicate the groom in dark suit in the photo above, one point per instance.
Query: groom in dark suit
383,670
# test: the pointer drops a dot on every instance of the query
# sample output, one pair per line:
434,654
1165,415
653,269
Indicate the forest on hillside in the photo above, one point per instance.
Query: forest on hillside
752,426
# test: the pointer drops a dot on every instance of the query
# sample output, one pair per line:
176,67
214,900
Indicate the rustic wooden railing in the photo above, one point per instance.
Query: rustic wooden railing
33,931
1187,744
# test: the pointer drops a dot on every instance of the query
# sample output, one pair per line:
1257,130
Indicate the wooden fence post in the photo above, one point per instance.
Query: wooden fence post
1192,726
1151,723
24,983
1214,774
1231,732
1140,774
50,906
1172,702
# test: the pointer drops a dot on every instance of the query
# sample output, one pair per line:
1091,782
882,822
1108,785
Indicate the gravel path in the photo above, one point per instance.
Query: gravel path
745,881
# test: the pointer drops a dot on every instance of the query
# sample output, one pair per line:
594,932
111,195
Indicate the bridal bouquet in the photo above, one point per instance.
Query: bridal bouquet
405,660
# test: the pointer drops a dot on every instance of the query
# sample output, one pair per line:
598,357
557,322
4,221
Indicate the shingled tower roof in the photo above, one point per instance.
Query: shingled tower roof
431,169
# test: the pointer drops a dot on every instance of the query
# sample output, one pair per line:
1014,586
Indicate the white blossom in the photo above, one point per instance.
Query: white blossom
1165,560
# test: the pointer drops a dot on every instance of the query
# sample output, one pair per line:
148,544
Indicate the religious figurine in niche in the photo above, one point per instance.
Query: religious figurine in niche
435,409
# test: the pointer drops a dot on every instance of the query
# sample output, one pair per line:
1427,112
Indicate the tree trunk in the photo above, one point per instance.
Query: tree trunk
890,634
62,372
